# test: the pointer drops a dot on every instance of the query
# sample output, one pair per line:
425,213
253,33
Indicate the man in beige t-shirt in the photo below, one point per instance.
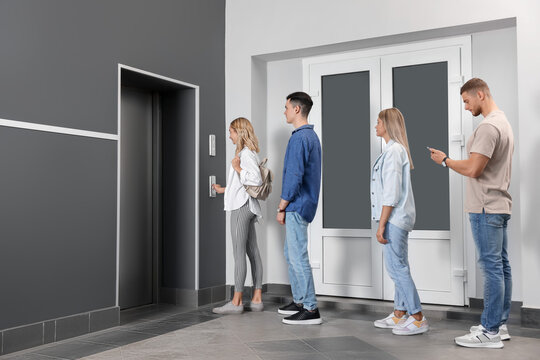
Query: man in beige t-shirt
488,170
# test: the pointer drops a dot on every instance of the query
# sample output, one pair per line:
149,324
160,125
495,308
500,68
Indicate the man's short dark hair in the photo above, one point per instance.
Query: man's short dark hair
303,100
474,85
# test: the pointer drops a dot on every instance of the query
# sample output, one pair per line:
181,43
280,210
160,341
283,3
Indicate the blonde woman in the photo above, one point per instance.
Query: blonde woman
245,211
393,208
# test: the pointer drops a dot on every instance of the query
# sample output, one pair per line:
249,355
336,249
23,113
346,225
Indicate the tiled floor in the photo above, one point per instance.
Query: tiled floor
174,333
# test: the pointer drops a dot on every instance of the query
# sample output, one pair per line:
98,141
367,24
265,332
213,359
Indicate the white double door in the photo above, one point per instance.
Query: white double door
348,93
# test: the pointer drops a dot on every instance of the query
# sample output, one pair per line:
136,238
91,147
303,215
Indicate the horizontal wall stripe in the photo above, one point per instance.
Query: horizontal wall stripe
57,129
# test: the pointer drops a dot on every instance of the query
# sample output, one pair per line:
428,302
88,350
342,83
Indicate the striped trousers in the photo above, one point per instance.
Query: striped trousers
244,242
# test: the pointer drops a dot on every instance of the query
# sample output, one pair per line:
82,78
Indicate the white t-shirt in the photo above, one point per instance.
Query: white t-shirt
235,193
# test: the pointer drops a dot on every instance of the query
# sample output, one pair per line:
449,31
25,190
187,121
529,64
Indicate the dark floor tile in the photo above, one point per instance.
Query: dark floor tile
73,349
355,355
352,315
309,356
191,318
291,347
117,337
341,343
158,327
29,357
451,324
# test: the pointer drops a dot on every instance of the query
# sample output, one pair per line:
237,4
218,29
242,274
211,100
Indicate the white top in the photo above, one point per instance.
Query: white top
235,193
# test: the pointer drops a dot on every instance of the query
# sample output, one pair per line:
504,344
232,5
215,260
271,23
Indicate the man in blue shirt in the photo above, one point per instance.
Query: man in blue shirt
299,199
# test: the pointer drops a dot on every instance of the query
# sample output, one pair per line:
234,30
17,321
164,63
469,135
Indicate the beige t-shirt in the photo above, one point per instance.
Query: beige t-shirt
493,138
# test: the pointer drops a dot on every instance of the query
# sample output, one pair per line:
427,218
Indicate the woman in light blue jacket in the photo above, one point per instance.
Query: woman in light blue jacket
393,208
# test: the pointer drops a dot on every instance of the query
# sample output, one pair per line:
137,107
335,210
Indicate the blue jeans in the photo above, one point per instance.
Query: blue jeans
396,259
489,232
296,254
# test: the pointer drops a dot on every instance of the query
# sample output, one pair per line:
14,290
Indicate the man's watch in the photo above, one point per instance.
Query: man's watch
279,210
443,163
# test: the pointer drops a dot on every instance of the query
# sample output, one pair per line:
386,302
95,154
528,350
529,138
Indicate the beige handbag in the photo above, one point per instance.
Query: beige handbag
261,192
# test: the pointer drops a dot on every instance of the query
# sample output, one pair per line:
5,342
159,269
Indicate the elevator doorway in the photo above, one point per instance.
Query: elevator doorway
157,186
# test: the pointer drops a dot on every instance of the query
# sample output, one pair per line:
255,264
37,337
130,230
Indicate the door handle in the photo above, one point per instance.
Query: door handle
460,273
460,138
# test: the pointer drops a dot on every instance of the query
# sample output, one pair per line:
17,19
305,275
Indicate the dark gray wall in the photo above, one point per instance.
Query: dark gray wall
58,232
59,67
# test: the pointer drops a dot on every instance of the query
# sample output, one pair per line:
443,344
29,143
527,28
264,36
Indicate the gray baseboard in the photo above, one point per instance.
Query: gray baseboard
271,291
193,298
28,336
530,317
515,308
279,289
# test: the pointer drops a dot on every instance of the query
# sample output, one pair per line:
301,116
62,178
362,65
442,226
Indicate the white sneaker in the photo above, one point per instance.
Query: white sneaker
503,331
389,322
480,339
411,326
228,308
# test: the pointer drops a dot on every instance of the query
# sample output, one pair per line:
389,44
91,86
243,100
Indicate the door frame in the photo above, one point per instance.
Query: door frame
156,285
464,44
452,56
317,71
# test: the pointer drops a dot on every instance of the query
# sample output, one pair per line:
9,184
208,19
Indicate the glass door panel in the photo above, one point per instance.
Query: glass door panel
420,92
346,156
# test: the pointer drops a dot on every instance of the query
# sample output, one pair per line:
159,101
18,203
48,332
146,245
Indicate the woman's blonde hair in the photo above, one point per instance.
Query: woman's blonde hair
394,123
246,135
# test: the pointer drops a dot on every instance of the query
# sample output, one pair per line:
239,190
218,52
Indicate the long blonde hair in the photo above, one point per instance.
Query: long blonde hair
246,135
394,123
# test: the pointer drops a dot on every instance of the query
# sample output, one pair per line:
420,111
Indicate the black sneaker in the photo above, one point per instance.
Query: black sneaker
290,309
304,317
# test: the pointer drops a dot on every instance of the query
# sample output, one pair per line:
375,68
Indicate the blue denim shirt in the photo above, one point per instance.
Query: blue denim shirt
391,186
302,172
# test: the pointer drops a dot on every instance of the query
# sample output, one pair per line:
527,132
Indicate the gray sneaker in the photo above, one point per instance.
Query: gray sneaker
503,330
228,308
256,307
479,339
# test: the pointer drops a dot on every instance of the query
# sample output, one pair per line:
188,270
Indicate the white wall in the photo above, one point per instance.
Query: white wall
284,77
256,29
494,59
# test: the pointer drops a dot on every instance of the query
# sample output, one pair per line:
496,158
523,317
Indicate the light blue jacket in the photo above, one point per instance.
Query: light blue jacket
391,186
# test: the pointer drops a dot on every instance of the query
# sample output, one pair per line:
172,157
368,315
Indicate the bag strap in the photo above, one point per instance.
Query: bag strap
263,163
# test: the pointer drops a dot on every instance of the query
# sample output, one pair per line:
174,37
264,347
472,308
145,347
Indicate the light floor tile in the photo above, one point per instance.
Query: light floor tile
199,335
